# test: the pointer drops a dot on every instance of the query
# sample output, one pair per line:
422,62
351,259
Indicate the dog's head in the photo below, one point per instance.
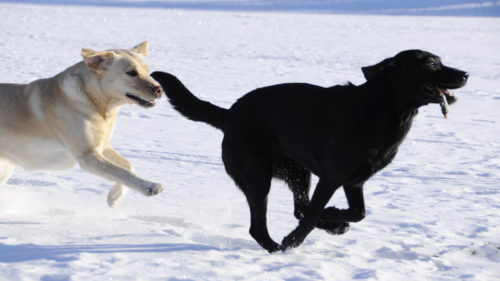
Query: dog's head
418,77
123,75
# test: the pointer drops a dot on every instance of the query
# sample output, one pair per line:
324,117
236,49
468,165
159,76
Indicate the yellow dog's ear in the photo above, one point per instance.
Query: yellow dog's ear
142,48
97,61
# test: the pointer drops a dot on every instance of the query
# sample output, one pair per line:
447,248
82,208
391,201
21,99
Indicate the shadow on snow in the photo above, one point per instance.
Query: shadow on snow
66,253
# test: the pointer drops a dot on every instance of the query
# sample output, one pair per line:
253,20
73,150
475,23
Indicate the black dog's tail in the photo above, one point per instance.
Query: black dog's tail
188,104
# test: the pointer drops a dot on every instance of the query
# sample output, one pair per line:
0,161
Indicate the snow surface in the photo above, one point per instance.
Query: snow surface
406,7
433,214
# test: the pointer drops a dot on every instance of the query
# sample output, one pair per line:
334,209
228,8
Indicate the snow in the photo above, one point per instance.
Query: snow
433,214
407,7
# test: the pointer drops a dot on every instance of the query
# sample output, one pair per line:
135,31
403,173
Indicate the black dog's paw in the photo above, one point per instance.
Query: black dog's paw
296,237
270,246
275,247
334,228
290,242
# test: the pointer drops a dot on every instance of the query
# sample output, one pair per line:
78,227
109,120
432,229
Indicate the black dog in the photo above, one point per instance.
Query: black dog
342,134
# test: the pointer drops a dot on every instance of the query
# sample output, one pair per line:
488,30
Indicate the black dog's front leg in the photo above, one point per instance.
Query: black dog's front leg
321,196
335,221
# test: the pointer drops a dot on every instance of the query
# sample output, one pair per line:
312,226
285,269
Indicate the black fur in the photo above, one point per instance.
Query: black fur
342,134
189,105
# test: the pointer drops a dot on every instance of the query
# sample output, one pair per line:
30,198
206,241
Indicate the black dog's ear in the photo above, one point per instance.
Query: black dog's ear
380,68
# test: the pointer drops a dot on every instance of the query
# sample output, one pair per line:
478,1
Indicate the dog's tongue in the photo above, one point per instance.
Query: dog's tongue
445,91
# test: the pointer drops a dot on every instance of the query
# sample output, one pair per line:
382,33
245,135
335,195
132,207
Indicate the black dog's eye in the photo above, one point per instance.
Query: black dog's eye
132,73
432,63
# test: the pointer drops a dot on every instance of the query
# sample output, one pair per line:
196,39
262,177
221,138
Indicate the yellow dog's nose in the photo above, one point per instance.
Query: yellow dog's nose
157,90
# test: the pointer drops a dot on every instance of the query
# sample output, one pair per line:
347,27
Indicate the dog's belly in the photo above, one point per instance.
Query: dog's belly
40,154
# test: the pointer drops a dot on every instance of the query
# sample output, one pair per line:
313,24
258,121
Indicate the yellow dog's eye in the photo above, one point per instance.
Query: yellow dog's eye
132,73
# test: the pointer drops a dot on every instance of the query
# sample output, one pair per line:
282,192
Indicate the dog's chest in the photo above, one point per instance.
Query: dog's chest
383,150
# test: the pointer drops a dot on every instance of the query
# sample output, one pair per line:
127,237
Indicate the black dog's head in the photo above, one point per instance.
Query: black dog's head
418,77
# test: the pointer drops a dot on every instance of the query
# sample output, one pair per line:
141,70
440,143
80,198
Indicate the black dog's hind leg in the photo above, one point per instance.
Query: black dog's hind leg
258,223
252,173
298,180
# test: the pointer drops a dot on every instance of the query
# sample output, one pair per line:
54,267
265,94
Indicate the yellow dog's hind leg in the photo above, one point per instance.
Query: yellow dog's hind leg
6,169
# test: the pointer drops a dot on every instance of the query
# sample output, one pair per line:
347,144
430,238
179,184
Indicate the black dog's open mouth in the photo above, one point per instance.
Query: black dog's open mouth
441,95
435,92
142,102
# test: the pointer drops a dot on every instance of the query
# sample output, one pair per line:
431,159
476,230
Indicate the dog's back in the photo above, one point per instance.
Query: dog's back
14,105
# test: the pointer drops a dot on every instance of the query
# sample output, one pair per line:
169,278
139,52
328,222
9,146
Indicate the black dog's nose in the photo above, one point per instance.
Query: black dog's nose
465,76
157,91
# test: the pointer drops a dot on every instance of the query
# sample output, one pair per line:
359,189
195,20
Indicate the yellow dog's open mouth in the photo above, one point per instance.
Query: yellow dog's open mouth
142,102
